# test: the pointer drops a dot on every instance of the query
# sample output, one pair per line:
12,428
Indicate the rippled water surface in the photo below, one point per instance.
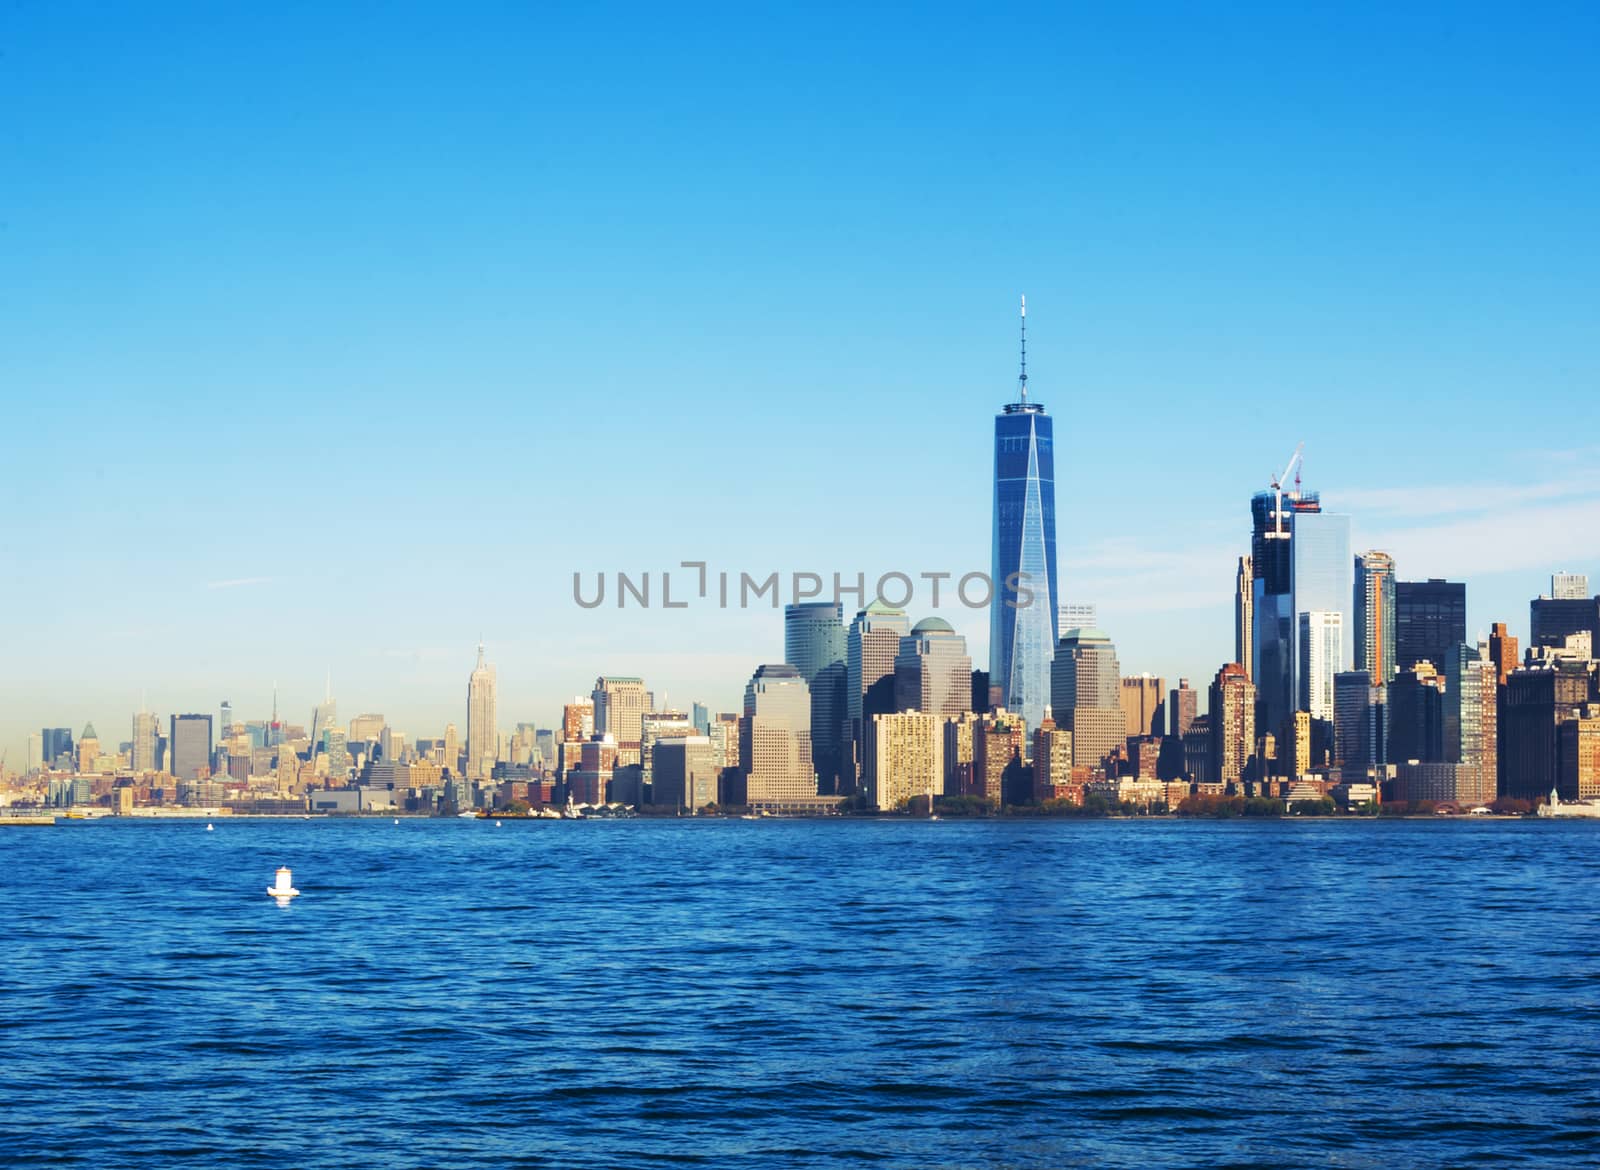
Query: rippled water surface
779,994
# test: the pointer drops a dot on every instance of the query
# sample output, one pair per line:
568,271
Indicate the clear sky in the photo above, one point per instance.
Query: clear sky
332,336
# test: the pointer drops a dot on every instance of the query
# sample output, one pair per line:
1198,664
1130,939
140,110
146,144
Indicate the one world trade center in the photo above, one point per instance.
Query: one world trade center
1022,609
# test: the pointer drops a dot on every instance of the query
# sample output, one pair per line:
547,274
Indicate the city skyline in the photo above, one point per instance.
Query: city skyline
346,407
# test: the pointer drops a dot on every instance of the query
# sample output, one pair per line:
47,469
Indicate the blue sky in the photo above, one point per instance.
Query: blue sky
334,336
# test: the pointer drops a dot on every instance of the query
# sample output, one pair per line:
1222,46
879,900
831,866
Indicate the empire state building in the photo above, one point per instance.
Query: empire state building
1022,608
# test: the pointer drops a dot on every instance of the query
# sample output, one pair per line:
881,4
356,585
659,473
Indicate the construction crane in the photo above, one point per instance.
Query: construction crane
1277,532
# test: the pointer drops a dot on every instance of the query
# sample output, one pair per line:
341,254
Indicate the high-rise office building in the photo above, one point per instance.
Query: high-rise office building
145,733
1360,724
1244,618
1323,581
1183,704
700,715
932,670
226,726
1374,632
35,752
685,772
337,747
451,751
871,646
1578,755
1416,715
1144,705
655,727
1569,586
391,744
56,743
619,706
1471,722
88,748
1276,517
905,754
1321,657
367,727
814,643
775,738
1502,652
1233,724
1086,695
1552,620
1430,619
590,781
482,741
1022,607
1538,699
324,715
190,739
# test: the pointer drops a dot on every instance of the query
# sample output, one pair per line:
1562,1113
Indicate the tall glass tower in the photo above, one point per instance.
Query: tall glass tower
1022,609
814,644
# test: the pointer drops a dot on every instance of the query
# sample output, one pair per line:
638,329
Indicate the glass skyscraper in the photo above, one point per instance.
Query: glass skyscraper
1022,610
1322,581
814,644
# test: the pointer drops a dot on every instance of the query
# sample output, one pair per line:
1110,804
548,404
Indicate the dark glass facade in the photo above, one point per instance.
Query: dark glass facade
1430,618
1552,619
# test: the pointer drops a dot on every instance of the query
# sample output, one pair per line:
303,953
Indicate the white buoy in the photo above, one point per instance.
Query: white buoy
211,828
498,825
283,883
397,820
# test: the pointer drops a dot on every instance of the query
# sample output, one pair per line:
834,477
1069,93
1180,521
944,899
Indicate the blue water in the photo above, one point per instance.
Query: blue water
781,994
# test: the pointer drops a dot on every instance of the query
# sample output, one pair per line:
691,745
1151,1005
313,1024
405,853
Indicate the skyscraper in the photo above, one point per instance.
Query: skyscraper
1322,581
1022,607
191,746
620,702
1430,619
814,644
1552,619
1321,657
55,742
145,733
226,725
932,670
1416,715
324,715
1182,706
1244,615
1360,717
481,741
1233,724
685,773
775,738
905,757
871,646
1144,705
1275,517
1086,695
1373,633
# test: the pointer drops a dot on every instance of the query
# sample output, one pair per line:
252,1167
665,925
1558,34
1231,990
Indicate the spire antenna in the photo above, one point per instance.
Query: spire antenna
1023,377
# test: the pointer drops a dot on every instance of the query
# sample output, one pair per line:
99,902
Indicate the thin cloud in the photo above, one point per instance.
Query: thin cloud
237,582
1576,483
